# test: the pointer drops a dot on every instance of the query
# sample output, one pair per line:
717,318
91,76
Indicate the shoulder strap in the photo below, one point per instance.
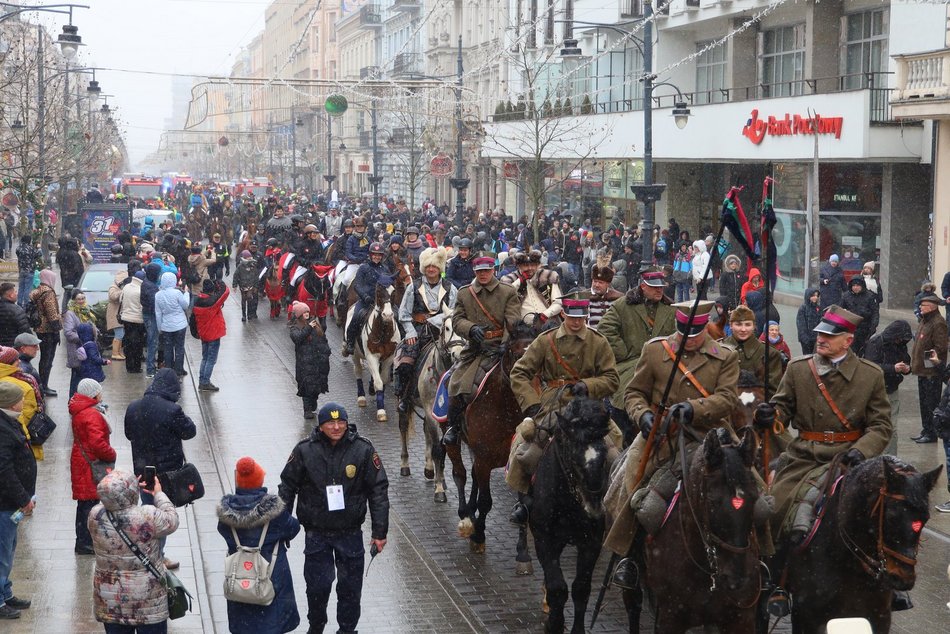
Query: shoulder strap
135,549
471,289
686,371
824,392
560,359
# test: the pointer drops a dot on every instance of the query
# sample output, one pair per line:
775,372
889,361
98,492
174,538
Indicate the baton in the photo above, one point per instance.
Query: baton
373,551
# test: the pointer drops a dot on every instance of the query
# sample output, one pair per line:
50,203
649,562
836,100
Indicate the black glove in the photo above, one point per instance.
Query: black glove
477,334
646,423
764,416
579,389
532,410
682,412
852,458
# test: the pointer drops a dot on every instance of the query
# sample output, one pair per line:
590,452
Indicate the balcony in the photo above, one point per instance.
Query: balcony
406,5
370,18
369,72
406,63
922,85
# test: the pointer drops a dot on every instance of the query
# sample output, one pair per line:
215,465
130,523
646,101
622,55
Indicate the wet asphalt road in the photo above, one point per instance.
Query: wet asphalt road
425,581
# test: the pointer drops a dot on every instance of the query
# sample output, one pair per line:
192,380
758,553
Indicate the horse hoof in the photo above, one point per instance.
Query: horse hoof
361,401
381,416
477,549
404,472
428,474
466,528
440,497
524,568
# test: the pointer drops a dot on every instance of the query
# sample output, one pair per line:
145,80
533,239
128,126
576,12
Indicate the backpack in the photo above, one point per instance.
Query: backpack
33,313
193,326
247,575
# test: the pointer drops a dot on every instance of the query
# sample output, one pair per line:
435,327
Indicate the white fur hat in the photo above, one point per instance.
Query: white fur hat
433,256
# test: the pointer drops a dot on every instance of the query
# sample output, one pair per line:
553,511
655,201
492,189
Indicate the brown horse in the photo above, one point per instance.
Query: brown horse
490,422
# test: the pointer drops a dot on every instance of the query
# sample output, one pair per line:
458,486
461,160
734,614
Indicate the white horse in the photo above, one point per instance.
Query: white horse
375,349
429,370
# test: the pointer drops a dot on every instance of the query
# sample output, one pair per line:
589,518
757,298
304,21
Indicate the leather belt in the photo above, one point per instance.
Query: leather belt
494,334
419,318
831,436
556,383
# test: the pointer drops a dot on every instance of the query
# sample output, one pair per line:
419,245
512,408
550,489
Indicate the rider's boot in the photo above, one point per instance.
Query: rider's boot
403,386
626,574
456,412
520,511
901,601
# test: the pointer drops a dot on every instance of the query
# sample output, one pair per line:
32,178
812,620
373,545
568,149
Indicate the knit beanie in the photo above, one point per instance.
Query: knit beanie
246,254
9,355
89,387
299,308
10,394
248,474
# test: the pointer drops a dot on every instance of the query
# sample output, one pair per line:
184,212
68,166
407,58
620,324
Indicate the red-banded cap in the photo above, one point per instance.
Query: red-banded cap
483,262
838,321
683,310
575,307
653,276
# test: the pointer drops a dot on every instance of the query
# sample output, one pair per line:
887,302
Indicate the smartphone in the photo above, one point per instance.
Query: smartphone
149,476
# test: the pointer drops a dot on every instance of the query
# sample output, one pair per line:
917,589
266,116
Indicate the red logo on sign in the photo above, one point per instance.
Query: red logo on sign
248,565
756,129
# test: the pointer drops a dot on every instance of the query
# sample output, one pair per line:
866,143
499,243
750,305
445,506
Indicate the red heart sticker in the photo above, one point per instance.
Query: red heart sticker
248,565
916,525
191,488
737,503
245,584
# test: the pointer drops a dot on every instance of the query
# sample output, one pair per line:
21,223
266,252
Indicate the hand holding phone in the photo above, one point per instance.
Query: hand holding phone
148,476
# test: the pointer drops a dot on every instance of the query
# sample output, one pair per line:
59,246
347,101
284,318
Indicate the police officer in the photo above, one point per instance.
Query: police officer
336,473
364,283
426,303
485,312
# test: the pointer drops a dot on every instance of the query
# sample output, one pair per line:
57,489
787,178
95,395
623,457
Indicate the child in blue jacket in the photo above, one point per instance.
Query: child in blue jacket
91,361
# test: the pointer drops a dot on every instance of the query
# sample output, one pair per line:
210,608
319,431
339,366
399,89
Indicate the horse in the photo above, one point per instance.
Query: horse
375,350
432,363
865,545
312,286
490,422
568,488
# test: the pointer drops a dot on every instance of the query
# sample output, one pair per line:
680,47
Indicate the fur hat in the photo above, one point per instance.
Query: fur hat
602,273
741,313
432,256
248,474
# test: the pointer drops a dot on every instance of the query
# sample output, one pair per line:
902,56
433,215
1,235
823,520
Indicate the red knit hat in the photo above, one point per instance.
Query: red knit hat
248,474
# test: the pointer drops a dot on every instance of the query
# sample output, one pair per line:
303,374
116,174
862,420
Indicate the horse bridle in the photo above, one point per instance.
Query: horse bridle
875,566
571,476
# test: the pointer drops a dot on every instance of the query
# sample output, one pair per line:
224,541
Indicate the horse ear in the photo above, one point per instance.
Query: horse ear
748,446
892,479
930,477
712,450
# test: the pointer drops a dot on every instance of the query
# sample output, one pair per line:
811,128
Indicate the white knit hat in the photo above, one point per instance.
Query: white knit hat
89,387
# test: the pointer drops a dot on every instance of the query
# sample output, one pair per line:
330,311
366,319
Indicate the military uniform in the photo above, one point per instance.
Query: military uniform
715,367
752,355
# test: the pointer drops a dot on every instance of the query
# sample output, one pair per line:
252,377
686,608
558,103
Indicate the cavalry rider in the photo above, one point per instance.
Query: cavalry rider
367,277
333,221
355,252
852,416
703,392
486,311
460,270
570,361
602,294
396,256
278,227
628,325
751,350
309,250
538,288
413,245
427,301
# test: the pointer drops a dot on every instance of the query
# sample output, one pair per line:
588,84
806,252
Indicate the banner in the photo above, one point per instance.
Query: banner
100,230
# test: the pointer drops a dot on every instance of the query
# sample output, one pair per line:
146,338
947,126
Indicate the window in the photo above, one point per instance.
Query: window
630,9
710,74
865,47
331,19
783,59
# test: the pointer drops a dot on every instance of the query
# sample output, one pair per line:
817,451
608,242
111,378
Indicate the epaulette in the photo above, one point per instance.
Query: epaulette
804,357
727,346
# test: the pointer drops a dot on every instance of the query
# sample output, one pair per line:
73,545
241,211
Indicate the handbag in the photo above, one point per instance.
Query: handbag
41,427
100,468
183,485
179,599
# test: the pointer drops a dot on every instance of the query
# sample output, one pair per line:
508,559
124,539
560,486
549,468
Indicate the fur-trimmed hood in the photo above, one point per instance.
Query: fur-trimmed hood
249,508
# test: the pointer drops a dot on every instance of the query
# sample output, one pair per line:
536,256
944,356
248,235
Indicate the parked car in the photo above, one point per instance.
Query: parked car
95,283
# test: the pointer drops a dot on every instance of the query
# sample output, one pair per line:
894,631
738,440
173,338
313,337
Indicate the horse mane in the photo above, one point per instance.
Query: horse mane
593,416
523,330
735,472
869,475
749,379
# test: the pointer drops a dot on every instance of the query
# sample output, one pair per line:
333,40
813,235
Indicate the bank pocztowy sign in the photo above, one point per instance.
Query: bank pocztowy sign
756,129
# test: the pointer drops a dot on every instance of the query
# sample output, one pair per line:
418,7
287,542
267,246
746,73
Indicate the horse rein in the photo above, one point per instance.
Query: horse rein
876,567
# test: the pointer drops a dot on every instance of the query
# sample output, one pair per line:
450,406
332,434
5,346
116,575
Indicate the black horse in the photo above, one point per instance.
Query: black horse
865,547
568,490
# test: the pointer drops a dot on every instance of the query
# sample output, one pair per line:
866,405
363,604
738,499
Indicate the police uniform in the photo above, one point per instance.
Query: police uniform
713,367
334,537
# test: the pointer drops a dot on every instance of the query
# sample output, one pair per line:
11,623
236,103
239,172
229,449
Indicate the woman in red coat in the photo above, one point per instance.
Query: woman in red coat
90,437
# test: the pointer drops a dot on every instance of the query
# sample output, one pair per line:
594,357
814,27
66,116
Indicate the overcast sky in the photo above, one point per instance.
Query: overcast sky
169,36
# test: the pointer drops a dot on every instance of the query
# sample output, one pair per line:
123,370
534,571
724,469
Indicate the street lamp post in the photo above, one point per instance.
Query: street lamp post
376,178
460,182
329,176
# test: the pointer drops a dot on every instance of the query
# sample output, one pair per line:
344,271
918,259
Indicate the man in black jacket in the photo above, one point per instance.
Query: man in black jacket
888,349
13,320
17,486
336,473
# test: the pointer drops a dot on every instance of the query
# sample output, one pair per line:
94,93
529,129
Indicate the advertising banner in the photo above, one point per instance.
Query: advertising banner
101,225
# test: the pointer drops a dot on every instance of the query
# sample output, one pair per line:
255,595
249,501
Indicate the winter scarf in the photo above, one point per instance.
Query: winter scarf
84,313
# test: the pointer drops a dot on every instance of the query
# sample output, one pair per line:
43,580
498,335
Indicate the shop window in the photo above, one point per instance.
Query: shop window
865,47
850,187
710,74
783,60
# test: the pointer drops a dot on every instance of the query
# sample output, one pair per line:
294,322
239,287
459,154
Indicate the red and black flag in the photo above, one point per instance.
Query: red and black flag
735,221
768,224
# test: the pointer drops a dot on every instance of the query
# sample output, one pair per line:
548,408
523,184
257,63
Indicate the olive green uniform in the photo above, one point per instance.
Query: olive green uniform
751,358
501,302
716,368
857,387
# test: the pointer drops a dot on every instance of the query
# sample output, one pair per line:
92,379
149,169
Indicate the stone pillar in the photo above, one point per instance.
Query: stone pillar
743,59
905,231
822,26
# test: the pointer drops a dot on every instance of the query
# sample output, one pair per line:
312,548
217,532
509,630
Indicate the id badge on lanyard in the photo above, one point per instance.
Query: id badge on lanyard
335,497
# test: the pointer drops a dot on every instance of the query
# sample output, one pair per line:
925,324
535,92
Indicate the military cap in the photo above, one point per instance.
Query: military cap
741,313
683,309
653,276
483,262
838,321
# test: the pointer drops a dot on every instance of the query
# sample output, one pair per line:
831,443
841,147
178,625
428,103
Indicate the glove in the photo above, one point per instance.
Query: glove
532,410
764,416
646,423
579,389
682,412
477,334
852,458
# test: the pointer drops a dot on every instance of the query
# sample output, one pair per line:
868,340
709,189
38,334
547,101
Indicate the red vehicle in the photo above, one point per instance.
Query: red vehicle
141,187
